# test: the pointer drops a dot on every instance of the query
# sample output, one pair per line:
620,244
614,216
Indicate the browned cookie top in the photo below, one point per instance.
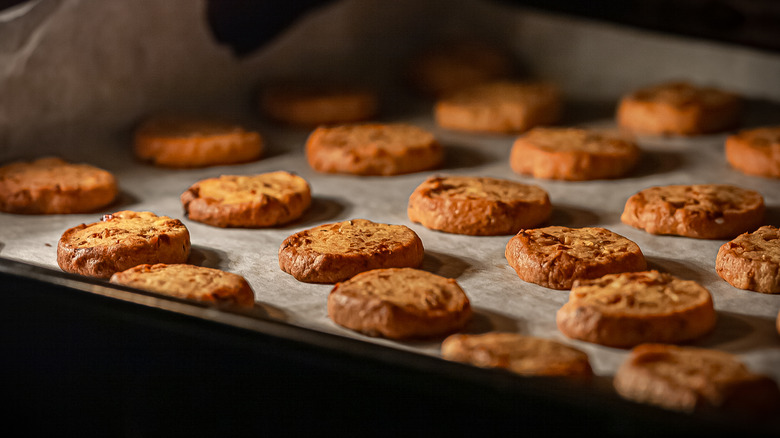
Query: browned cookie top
755,151
520,354
708,211
248,200
555,256
53,186
372,149
189,281
309,105
681,94
335,252
579,140
752,260
122,240
481,188
399,303
639,294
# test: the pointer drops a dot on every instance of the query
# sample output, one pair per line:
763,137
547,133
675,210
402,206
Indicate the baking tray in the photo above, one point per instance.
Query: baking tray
289,326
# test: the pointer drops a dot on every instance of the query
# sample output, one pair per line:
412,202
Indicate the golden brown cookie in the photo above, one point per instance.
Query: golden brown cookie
691,379
309,105
499,107
572,154
702,211
449,67
189,282
373,149
679,108
752,261
478,206
251,201
627,309
336,252
525,355
556,256
755,151
54,186
399,304
195,142
120,241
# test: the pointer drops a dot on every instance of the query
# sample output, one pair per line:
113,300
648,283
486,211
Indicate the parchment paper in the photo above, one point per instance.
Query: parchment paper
77,75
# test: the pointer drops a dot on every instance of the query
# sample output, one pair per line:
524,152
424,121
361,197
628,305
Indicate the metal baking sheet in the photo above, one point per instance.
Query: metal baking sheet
97,132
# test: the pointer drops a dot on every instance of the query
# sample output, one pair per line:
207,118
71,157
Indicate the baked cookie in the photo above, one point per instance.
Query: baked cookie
195,142
399,304
752,261
702,211
525,355
189,282
691,379
499,107
755,151
627,309
252,201
54,186
373,149
443,69
572,154
556,256
311,105
478,206
120,241
679,108
336,252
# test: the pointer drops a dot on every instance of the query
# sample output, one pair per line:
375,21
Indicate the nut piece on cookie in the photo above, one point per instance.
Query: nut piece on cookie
572,154
702,211
53,186
627,309
755,151
251,201
309,105
556,256
121,241
478,206
752,261
189,142
336,252
679,108
189,282
499,107
691,379
399,304
524,355
373,149
452,66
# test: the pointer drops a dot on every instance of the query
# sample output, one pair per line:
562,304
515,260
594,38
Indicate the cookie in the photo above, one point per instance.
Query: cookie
121,241
556,256
373,149
691,379
309,105
572,154
499,107
524,355
54,186
627,309
752,261
336,252
679,108
399,304
755,151
478,206
251,201
189,282
452,66
702,211
183,142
